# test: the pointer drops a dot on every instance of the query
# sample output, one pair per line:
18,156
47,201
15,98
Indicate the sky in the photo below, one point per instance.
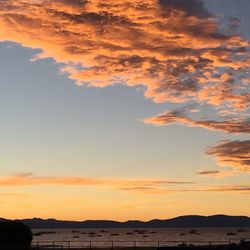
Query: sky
124,109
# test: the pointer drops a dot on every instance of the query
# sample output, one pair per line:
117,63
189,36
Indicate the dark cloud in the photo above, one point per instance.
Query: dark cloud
234,22
73,3
234,154
216,173
190,7
234,188
208,172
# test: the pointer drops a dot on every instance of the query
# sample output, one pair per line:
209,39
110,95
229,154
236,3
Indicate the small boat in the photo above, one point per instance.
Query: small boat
141,231
193,231
48,232
75,231
231,233
114,234
103,231
145,236
182,234
241,231
75,236
153,232
99,235
129,233
38,234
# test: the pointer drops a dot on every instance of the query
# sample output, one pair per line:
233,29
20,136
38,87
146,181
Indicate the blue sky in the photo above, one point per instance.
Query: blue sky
52,128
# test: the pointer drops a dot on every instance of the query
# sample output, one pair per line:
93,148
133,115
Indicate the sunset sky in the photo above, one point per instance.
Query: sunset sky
124,109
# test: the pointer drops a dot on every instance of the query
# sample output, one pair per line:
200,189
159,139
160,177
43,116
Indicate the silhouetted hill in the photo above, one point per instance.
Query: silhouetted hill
181,221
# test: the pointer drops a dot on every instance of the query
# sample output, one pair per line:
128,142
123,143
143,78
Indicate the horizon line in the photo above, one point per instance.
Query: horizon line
145,221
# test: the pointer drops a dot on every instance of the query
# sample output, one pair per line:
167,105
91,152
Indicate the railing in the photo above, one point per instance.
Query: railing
128,244
42,245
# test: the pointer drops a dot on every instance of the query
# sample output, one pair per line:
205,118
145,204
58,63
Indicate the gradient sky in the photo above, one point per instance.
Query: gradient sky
124,109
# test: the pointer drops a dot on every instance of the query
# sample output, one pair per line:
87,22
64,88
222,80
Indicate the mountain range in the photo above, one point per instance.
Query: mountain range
188,221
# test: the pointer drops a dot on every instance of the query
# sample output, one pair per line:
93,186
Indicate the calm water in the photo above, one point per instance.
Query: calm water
143,237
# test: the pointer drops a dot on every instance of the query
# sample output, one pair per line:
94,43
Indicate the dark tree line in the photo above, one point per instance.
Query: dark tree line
15,234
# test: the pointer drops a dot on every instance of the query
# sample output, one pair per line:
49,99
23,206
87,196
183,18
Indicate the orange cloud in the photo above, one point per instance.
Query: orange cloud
31,180
178,116
234,154
174,49
152,186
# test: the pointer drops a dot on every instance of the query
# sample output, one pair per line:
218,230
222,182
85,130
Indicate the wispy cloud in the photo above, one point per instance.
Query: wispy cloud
231,124
234,154
142,186
243,189
29,179
216,173
176,50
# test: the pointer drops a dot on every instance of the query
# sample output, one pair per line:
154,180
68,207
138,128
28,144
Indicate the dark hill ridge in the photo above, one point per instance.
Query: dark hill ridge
181,221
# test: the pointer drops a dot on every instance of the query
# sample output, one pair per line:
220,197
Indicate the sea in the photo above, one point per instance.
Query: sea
149,237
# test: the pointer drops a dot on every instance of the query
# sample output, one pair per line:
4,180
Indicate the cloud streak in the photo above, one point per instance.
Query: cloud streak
146,186
216,173
28,179
235,154
174,49
242,189
231,124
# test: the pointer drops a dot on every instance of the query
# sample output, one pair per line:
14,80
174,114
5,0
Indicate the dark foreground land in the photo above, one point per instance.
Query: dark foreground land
156,248
241,246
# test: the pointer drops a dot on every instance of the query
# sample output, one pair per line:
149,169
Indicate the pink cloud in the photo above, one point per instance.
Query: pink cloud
174,49
29,179
146,186
178,116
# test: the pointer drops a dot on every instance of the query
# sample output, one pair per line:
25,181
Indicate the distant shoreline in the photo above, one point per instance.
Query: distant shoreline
189,221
